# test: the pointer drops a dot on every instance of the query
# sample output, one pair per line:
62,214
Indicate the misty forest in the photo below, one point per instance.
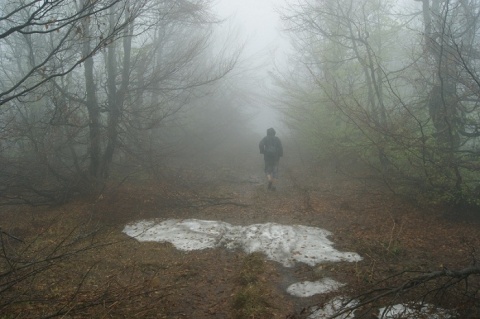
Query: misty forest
132,184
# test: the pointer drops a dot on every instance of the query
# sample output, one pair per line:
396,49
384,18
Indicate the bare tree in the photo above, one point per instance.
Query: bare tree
40,43
36,23
401,87
413,102
346,48
106,72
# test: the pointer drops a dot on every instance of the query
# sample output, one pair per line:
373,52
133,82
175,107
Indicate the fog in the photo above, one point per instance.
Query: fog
97,96
257,25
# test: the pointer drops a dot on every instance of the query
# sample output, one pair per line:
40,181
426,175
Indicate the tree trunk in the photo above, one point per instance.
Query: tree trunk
116,98
443,101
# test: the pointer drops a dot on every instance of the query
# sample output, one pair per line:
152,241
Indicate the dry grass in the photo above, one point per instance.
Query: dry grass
251,300
74,261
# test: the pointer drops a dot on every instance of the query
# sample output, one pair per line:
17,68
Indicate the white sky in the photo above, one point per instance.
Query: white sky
258,25
257,22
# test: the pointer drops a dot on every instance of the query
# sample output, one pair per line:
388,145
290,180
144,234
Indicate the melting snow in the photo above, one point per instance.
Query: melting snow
281,243
333,306
309,288
414,311
399,311
284,244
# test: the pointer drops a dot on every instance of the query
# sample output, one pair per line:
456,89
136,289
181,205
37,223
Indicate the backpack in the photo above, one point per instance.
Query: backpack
271,148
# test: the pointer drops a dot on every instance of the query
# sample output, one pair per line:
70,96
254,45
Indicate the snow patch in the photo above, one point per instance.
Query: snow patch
285,244
413,311
333,306
310,288
399,311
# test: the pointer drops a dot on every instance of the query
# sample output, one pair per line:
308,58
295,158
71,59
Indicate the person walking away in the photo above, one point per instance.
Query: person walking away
272,150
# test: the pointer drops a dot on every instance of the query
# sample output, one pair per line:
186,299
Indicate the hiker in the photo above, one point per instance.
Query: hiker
272,150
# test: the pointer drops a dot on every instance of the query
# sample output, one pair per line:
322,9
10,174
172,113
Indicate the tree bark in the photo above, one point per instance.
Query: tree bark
116,98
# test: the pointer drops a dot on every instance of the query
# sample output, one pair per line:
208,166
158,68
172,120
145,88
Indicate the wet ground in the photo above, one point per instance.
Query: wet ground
123,277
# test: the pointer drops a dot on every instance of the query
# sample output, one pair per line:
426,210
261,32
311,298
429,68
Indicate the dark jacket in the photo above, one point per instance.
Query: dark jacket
266,142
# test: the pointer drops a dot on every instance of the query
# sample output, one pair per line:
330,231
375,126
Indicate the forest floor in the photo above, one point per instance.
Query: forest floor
74,260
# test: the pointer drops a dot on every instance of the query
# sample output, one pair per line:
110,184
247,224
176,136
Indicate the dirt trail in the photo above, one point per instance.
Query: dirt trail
154,280
391,234
236,192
